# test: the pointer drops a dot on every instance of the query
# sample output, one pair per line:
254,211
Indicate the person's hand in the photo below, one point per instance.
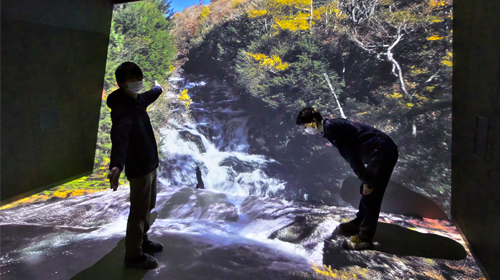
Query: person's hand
157,84
113,176
366,190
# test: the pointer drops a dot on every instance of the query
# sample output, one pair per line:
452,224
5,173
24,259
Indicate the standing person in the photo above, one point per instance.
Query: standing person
134,147
372,156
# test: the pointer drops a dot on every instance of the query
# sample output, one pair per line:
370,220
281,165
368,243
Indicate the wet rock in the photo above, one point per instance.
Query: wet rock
301,228
198,204
221,211
182,204
238,165
189,137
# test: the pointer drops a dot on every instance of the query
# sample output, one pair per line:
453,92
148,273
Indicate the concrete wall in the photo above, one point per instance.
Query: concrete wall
52,68
476,128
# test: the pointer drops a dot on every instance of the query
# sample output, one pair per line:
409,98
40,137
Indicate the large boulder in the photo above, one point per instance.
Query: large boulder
198,204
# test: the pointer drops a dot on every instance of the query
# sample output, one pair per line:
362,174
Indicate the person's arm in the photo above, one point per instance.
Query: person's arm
150,96
119,143
113,176
348,150
345,136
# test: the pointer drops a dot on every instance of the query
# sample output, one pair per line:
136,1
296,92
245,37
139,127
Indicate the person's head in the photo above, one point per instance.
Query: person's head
129,77
310,119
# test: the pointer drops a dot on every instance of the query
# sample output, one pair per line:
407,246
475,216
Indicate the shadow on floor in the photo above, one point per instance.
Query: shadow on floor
111,267
397,199
395,240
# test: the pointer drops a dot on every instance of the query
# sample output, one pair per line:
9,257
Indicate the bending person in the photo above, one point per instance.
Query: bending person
372,156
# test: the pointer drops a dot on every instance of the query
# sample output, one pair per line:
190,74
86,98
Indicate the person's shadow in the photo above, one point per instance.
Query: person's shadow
397,199
396,240
111,266
391,238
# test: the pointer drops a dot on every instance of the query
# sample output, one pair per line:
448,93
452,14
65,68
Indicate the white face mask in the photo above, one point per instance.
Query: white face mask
311,131
134,87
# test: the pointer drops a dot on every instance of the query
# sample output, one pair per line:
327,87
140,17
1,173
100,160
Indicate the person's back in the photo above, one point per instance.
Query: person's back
368,142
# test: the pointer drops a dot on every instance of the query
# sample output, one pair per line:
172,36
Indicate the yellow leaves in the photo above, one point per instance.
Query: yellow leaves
257,56
429,261
291,15
185,97
410,104
293,24
204,13
396,95
434,38
418,71
420,98
270,62
386,2
237,3
330,9
448,60
256,13
355,272
328,272
283,66
320,11
300,4
438,3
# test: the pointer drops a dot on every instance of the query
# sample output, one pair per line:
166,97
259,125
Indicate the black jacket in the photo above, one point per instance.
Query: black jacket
359,144
132,137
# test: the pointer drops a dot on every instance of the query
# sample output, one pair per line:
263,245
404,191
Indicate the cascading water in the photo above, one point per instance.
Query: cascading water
218,233
215,140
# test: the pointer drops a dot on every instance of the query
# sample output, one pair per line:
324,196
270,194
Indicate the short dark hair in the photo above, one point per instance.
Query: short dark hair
128,70
307,115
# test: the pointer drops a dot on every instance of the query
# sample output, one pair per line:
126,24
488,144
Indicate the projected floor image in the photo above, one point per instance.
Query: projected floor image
213,235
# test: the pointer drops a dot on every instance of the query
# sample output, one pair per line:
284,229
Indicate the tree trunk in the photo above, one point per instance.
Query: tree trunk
395,65
335,95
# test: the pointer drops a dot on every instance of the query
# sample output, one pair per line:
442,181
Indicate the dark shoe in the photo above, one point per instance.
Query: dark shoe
355,243
349,229
143,262
149,246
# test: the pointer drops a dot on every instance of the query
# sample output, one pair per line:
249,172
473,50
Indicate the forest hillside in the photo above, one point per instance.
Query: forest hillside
389,62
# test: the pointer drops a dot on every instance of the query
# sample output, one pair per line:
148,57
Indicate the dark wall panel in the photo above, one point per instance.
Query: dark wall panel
476,125
53,63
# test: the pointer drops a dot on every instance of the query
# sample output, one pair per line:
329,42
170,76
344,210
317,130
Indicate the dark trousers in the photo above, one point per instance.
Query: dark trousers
369,205
142,201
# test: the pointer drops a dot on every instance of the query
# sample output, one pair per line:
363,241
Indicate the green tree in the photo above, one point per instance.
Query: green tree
140,33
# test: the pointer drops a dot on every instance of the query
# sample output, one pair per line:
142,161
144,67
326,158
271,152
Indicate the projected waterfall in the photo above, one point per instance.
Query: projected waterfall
240,226
215,139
